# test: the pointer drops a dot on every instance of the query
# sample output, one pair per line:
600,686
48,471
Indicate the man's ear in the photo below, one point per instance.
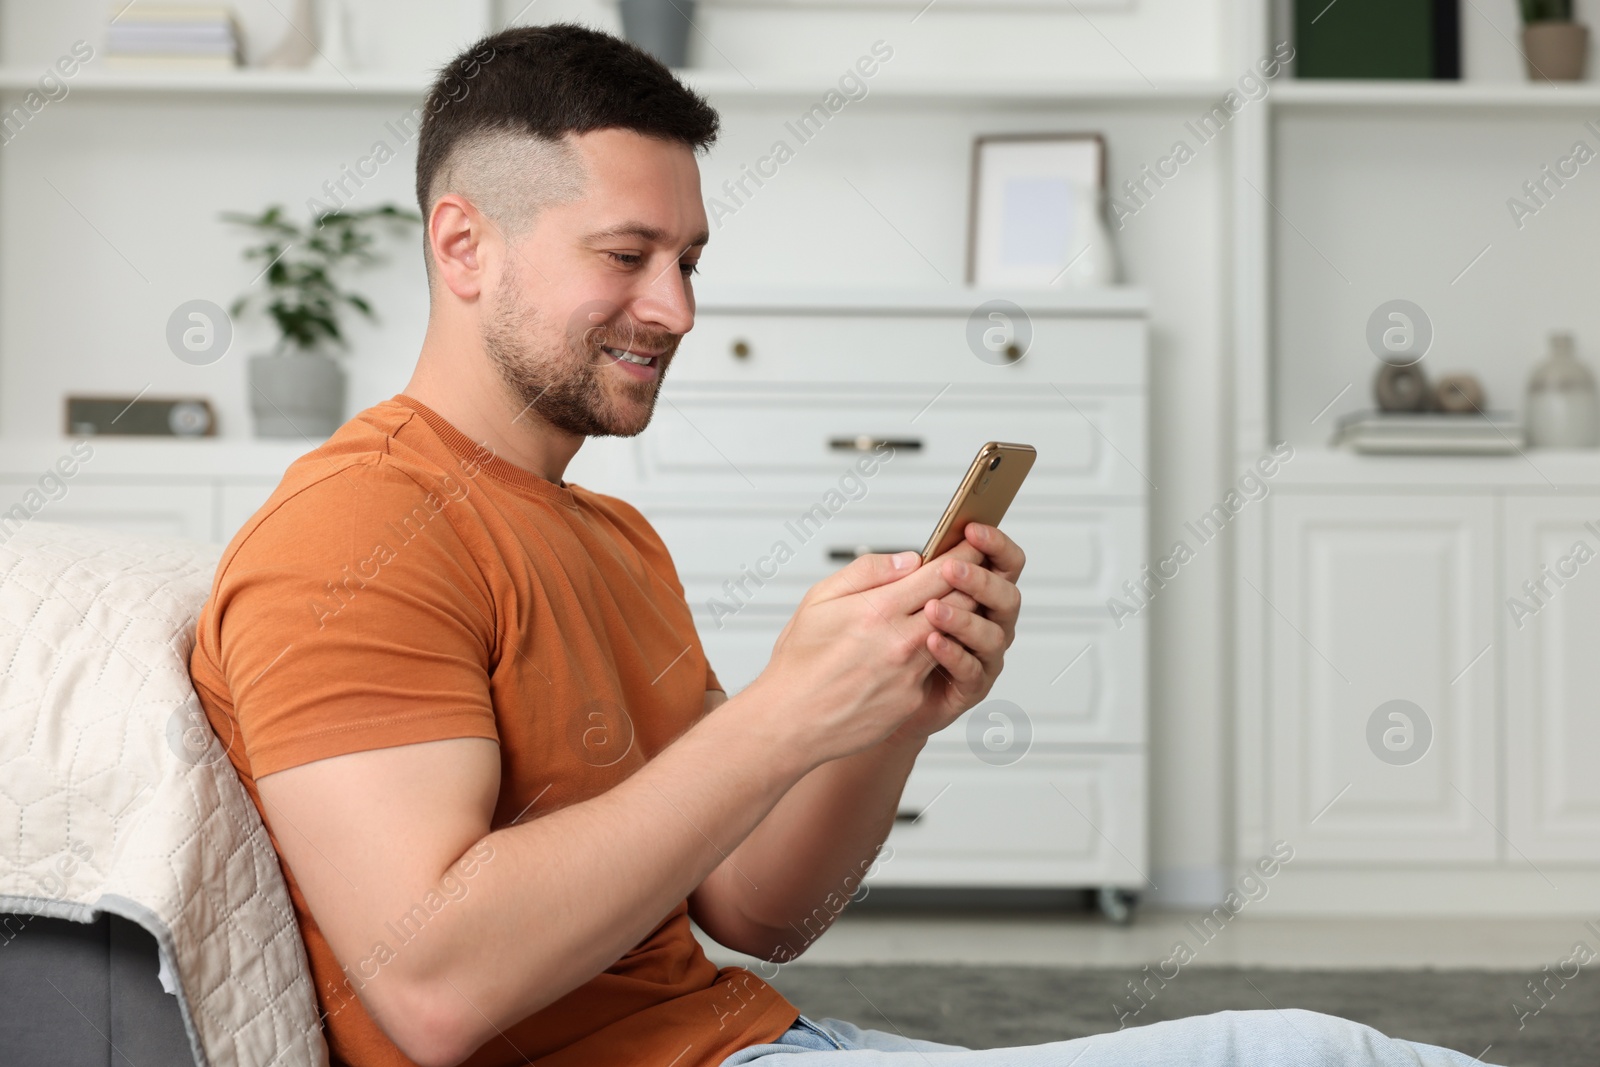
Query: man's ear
457,232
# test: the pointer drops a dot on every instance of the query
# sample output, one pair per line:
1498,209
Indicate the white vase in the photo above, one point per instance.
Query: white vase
1563,409
1092,259
334,34
297,47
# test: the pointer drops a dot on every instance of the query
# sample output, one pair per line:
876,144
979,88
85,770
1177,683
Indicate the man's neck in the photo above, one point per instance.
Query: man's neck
468,395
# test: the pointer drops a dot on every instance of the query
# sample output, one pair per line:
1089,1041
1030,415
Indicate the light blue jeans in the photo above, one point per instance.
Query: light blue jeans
1285,1038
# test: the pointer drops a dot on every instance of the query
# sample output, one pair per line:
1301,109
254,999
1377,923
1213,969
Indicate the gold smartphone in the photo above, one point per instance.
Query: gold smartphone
984,494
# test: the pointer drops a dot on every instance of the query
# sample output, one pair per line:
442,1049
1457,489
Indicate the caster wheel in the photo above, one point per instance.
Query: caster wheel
1117,904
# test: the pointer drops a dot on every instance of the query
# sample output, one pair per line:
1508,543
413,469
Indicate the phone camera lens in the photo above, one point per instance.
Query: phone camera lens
995,462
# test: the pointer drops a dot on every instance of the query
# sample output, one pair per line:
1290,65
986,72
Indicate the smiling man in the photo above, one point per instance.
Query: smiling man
468,697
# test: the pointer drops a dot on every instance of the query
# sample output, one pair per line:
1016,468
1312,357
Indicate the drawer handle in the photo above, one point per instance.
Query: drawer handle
868,443
907,816
845,555
740,349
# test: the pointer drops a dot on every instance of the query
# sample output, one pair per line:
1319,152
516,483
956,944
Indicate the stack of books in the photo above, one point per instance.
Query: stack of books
191,37
1488,434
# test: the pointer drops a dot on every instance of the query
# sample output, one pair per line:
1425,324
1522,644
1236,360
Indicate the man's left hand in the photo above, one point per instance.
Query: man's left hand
973,627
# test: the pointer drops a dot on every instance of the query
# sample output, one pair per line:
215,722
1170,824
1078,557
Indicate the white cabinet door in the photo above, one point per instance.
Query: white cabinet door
1551,622
156,510
1375,599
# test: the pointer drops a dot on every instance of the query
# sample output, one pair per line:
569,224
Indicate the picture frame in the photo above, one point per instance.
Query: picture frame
1028,221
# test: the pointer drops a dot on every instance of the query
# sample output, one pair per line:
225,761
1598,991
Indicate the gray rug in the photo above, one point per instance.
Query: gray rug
988,1007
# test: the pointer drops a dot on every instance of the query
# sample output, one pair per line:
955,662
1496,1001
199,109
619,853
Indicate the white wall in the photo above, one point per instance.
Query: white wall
401,36
1164,40
141,181
110,212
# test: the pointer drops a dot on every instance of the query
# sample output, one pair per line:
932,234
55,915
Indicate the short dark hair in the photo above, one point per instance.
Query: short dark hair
549,81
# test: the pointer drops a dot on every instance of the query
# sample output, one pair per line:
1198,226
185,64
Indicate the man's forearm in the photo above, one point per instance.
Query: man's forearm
569,894
785,884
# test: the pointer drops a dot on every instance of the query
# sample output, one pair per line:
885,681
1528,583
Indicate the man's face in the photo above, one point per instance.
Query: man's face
596,295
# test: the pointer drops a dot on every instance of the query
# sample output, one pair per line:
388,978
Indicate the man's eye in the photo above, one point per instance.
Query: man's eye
627,259
689,268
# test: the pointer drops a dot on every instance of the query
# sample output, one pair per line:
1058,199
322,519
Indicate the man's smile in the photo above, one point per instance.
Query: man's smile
640,358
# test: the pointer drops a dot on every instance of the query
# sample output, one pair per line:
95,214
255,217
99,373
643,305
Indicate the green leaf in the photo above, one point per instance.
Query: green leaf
299,290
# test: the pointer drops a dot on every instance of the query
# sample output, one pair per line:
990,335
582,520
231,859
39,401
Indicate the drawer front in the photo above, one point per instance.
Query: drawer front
764,557
809,443
900,347
1051,819
1078,679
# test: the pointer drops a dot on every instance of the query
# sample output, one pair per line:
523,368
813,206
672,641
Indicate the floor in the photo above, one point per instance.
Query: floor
1488,1016
1087,940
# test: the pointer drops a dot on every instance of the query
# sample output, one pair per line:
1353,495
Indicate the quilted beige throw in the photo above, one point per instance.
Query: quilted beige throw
116,797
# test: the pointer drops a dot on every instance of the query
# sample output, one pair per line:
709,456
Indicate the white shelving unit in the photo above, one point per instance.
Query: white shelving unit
1363,579
723,85
1400,96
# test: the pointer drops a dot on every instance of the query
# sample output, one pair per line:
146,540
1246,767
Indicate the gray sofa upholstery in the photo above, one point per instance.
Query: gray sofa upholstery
79,994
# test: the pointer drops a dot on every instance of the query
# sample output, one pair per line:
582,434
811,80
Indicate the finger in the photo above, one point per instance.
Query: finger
965,669
994,591
957,599
865,572
1005,556
985,637
908,596
962,550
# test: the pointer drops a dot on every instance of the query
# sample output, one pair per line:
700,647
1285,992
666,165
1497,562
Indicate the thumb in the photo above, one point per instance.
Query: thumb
865,572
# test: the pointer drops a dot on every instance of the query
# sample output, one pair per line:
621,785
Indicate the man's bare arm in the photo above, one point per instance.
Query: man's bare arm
562,897
812,850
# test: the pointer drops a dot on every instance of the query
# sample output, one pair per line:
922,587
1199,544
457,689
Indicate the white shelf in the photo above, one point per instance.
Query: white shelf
1534,470
239,82
1367,96
727,86
722,86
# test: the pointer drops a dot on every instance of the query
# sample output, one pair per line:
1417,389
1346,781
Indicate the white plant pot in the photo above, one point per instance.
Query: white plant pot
297,396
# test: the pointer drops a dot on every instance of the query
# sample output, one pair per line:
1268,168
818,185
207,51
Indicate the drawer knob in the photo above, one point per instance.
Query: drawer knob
1013,352
907,816
845,555
868,443
741,349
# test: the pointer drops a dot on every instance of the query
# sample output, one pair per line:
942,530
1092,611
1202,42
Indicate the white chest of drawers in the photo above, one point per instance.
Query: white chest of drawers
772,399
751,449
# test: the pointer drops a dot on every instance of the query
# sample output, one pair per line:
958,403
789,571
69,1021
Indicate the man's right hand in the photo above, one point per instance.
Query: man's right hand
857,648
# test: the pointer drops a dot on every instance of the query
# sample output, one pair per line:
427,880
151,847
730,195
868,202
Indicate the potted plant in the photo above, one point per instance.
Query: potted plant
660,27
1555,48
297,390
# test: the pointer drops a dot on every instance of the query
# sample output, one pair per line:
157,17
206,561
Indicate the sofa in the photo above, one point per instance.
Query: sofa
142,906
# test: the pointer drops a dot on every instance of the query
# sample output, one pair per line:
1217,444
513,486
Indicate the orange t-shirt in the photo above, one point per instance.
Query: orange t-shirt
402,585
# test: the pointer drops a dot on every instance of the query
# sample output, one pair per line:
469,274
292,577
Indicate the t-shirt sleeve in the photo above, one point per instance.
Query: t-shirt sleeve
354,617
660,558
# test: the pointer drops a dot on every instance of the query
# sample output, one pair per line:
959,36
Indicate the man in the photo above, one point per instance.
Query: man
468,697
